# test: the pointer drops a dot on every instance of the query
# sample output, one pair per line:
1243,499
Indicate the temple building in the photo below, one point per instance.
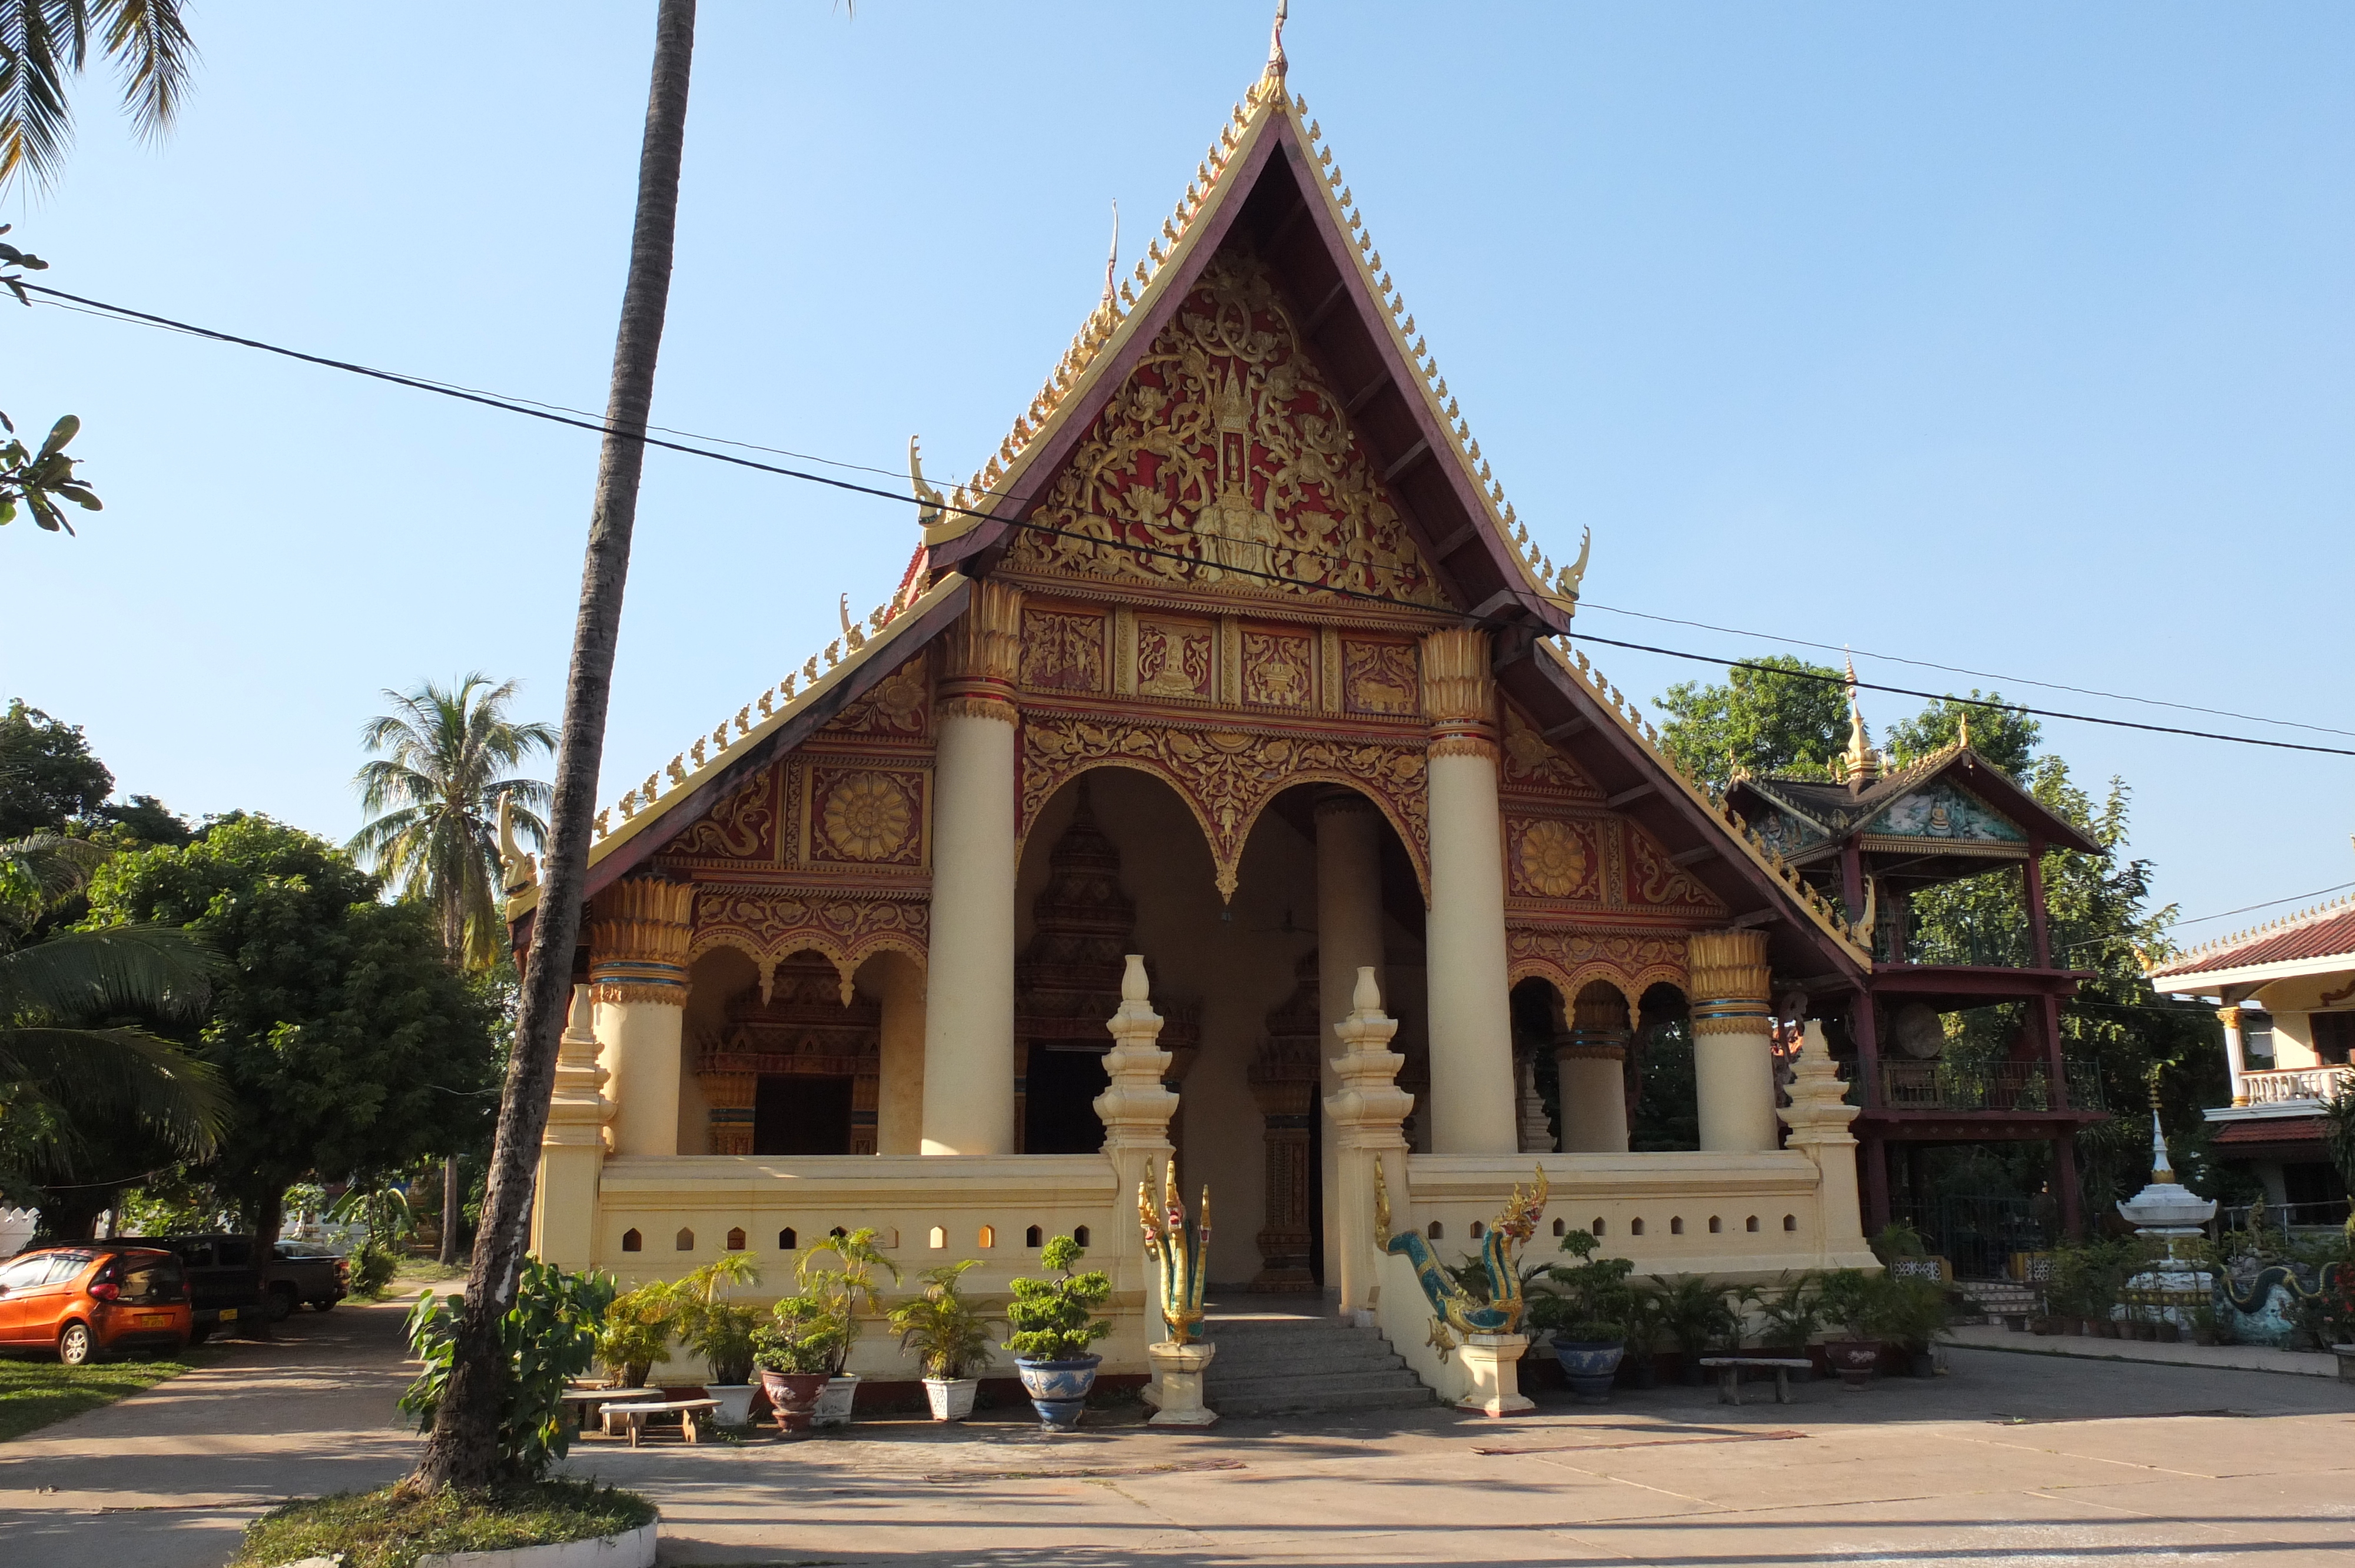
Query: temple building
1233,658
2285,994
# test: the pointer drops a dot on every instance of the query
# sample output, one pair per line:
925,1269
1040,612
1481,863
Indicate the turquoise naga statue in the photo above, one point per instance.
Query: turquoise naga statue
1455,1307
1181,1245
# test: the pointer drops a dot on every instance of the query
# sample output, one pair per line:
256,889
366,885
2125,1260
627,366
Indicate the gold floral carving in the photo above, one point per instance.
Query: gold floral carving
1655,879
982,654
1062,652
1173,658
1570,959
1378,677
1458,694
638,934
1277,669
865,815
769,925
1729,983
742,827
1532,762
1227,459
1552,860
1227,778
896,706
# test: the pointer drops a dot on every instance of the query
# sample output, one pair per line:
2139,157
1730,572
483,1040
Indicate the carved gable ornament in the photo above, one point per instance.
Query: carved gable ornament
1228,461
1943,811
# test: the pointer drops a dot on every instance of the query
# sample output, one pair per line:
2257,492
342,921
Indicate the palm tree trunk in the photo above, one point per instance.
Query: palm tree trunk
462,1449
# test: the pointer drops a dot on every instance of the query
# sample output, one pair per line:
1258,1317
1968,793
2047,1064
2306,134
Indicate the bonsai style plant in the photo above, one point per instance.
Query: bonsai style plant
1587,1311
949,1335
849,1292
805,1334
721,1331
1054,1323
636,1332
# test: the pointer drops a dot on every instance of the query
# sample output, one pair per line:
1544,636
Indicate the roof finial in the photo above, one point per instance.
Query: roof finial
1275,60
1962,731
928,500
1111,261
1863,762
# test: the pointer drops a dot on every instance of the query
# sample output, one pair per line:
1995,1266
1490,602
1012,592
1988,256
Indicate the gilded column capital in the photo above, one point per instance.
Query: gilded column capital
982,655
1599,1029
638,932
2229,1017
1458,694
1730,982
1336,801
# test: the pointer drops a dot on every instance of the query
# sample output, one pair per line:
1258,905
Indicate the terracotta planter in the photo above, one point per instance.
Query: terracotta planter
951,1398
1589,1365
1059,1389
794,1396
1854,1360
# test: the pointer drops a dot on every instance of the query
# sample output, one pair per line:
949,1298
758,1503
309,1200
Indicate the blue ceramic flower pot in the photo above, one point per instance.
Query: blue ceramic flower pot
1589,1365
1059,1389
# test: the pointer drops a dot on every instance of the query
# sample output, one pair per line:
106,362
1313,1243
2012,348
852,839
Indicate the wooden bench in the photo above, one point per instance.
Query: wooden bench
1730,1368
634,1416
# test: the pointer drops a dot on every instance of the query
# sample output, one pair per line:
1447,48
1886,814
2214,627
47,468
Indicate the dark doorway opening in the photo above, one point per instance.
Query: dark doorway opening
793,1114
1058,1101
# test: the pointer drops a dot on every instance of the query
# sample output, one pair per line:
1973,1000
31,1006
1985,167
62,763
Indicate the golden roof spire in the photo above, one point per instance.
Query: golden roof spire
1863,761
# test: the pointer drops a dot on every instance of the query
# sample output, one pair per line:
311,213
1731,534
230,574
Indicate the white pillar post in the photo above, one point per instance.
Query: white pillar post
1733,1040
1349,937
1591,1066
899,1109
968,1105
2236,1060
638,931
1464,944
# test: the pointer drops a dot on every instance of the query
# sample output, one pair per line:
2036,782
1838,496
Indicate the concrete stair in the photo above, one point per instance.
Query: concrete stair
1277,1359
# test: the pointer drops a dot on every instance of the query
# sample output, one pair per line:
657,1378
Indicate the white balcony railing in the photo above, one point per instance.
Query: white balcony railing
2294,1084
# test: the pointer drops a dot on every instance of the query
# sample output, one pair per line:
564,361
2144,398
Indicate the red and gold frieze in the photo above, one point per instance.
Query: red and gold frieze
769,924
1571,957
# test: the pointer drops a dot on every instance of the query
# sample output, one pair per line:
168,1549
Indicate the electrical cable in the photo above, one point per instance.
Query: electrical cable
600,427
2244,909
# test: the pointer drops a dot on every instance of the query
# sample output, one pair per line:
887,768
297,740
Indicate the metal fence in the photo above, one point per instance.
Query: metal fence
1978,1235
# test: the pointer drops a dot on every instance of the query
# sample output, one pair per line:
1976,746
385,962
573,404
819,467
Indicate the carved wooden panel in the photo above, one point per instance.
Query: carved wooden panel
1279,668
1556,858
1064,651
1173,657
1569,957
768,924
870,816
744,826
1380,677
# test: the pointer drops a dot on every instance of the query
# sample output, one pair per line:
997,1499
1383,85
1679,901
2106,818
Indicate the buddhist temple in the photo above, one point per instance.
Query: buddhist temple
1233,657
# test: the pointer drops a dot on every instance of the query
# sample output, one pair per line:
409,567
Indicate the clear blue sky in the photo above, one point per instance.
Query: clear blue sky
2015,337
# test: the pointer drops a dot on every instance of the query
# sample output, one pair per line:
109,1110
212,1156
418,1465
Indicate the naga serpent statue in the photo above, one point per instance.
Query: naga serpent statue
1455,1307
1182,1247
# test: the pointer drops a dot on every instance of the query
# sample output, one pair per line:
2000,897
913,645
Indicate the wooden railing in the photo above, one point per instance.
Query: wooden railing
2294,1084
1997,1087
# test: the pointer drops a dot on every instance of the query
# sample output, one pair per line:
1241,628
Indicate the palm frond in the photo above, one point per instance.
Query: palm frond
161,969
39,869
41,43
121,1069
153,53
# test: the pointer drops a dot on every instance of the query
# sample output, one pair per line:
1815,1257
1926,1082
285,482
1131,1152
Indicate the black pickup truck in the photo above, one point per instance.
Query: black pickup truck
305,1273
225,1285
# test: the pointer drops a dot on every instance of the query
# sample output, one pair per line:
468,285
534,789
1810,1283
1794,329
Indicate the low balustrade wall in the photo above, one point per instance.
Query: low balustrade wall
2275,1086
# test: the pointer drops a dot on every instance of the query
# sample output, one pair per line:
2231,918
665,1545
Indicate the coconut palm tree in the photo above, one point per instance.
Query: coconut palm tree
463,1450
64,1054
44,42
434,796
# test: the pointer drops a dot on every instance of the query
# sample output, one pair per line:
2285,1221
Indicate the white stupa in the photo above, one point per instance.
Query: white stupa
2166,1209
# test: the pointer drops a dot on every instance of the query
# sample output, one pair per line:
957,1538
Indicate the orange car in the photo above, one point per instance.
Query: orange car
91,1300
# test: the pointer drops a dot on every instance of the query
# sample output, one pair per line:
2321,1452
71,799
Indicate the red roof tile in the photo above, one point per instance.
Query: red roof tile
2322,933
2269,1129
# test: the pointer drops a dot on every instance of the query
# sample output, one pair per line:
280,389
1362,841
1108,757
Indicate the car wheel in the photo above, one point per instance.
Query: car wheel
324,1304
281,1303
75,1347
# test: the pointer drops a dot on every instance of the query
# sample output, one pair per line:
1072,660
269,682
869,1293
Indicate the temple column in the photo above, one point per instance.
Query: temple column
1592,1067
2236,1060
572,1149
968,1098
900,1115
1464,942
1734,1041
1349,937
638,932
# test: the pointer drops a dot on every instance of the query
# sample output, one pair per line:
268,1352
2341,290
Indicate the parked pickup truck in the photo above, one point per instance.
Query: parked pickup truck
224,1285
304,1273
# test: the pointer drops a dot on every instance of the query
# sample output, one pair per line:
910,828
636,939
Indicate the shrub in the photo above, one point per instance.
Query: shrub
1051,1319
947,1331
1587,1301
636,1332
372,1268
548,1336
849,1290
1695,1312
805,1333
719,1331
1790,1314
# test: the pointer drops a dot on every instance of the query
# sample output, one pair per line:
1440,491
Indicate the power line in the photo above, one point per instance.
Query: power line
2244,909
600,427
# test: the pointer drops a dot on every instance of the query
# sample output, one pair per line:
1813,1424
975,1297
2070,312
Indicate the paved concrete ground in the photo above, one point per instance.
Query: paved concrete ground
2251,1357
2011,1459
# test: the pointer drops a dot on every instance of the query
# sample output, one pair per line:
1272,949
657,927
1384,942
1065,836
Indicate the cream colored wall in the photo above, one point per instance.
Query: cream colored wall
2292,1003
897,982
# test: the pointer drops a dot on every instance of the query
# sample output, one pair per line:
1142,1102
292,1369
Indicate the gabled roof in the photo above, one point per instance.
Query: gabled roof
1839,810
2317,941
1267,178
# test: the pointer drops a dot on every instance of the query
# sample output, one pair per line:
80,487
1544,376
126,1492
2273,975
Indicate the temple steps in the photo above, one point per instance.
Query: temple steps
1275,1361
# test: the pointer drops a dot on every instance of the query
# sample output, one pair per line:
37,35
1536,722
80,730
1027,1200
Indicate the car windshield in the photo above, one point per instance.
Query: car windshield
152,1276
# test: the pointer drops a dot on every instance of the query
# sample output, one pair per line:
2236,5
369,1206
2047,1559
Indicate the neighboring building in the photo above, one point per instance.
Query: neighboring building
1872,838
1234,658
2286,995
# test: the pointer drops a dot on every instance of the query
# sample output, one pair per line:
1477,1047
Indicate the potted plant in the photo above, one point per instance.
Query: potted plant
636,1332
721,1331
849,1292
1640,1323
792,1352
1789,1315
1849,1299
1586,1312
1695,1311
949,1335
1054,1323
1911,1313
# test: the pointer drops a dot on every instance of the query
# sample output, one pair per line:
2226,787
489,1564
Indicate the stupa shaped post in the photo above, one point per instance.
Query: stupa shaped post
2166,1211
1818,1117
1368,1111
1135,1109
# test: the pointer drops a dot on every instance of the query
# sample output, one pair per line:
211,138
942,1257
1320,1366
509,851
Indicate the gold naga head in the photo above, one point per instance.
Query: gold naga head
1522,1210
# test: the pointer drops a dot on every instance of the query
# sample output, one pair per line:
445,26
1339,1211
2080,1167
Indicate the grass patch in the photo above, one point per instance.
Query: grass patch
382,1529
33,1394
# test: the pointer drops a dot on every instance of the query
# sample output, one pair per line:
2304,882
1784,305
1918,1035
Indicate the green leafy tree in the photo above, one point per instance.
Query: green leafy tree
48,775
350,1046
434,801
46,43
1795,722
547,1337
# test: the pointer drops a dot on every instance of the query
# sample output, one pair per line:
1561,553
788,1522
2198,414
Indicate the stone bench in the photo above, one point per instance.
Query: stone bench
578,1402
634,1416
1730,1368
